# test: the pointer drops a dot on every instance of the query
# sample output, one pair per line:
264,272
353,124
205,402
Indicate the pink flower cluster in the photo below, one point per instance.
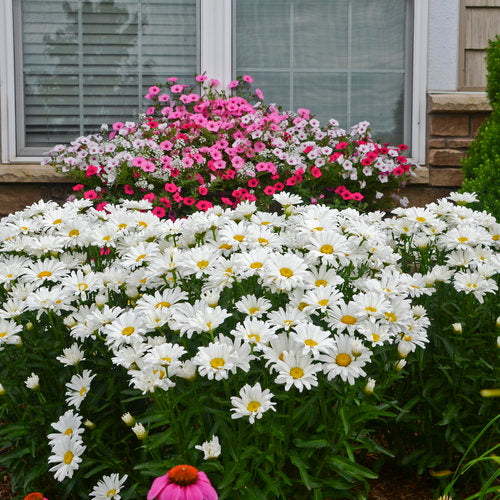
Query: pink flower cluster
196,147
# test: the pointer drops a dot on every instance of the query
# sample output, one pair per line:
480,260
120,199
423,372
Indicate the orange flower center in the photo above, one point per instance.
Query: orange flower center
183,475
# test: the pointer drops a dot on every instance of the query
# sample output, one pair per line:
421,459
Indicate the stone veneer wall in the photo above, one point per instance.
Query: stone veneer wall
453,121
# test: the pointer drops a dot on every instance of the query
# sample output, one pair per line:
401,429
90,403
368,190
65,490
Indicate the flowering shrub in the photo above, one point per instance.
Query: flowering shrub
192,150
259,342
260,348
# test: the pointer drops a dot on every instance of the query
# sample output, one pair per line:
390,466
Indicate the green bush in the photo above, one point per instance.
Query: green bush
481,166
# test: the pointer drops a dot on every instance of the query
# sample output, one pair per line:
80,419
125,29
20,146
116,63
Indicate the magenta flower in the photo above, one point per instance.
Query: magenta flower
182,482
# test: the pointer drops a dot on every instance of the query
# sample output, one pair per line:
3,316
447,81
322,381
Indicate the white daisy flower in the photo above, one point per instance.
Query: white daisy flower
215,360
312,338
66,452
346,359
8,332
108,488
71,356
284,272
32,382
78,387
297,370
68,424
252,402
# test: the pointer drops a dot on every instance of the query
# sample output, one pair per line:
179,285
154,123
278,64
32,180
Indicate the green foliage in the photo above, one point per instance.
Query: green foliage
481,166
493,67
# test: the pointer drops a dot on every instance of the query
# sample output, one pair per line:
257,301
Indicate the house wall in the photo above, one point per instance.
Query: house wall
453,118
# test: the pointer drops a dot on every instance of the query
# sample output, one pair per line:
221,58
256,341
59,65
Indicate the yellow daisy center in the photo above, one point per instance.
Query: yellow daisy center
111,493
326,249
371,309
286,272
225,246
253,406
319,228
82,286
254,336
106,238
162,304
253,310
122,225
68,431
74,232
57,221
68,457
239,237
297,372
2,334
343,359
256,265
407,338
391,316
303,305
143,224
421,219
142,256
217,363
44,274
263,242
348,320
496,237
319,283
463,239
375,337
310,342
202,264
323,302
167,359
83,390
127,331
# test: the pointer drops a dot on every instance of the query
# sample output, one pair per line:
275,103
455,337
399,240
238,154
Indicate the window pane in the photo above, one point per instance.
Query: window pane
344,59
85,62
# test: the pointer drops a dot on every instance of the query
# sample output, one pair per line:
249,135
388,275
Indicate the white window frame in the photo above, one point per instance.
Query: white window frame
216,61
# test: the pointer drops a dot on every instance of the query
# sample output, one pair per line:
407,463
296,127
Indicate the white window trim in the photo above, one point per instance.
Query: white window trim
216,61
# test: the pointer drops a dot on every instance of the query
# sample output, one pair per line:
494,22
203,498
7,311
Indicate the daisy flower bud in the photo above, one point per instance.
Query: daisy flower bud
132,292
445,497
357,348
140,431
490,393
399,365
86,269
29,326
100,300
457,327
2,390
498,322
404,348
89,424
69,321
498,342
32,382
370,386
211,449
128,419
187,370
212,297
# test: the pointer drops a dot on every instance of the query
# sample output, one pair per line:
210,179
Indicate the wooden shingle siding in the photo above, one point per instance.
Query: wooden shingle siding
479,22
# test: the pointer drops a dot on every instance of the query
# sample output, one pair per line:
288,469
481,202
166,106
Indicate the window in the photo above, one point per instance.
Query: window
82,62
479,22
70,65
343,59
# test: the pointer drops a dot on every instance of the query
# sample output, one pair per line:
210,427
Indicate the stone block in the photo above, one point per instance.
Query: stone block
420,196
459,102
421,177
451,125
449,177
436,143
14,197
446,157
459,143
476,121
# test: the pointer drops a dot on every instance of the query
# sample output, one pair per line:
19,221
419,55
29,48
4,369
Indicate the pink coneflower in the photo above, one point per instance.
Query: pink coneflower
182,481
